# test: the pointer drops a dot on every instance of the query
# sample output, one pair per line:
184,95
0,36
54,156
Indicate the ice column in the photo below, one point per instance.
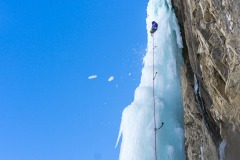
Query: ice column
137,126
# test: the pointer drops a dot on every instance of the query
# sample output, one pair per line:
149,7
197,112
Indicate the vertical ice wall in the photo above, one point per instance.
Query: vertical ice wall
137,126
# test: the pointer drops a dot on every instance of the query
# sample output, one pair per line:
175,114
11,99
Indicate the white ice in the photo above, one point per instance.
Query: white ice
137,126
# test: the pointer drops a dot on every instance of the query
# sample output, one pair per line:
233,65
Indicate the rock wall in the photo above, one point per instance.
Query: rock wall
211,34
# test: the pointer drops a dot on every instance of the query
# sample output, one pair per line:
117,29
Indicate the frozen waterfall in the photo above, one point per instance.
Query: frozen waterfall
137,126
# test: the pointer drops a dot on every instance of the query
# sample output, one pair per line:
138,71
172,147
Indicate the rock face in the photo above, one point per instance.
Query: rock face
211,77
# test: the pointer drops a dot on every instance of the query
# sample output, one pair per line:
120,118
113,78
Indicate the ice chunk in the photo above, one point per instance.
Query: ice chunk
110,79
92,77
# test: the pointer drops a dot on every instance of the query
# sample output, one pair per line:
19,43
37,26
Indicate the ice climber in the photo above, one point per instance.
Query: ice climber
154,27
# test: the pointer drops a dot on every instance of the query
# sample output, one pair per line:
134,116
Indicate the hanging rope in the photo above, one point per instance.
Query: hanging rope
154,104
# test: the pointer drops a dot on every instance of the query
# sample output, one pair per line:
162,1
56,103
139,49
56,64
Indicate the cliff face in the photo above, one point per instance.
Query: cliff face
211,77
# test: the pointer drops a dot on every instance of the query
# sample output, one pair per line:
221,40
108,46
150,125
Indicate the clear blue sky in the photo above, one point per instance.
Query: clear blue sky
49,109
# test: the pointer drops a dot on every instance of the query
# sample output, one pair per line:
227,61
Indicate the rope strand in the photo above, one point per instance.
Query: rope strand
154,102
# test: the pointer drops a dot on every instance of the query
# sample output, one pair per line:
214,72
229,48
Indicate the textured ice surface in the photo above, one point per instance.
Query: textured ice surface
137,126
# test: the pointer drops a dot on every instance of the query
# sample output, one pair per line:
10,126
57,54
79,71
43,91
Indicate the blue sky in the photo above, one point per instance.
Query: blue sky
49,109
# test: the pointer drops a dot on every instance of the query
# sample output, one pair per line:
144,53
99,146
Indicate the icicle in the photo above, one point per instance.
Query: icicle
201,149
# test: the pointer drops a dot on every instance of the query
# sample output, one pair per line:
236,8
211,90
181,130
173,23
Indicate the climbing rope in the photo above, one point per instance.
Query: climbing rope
154,104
